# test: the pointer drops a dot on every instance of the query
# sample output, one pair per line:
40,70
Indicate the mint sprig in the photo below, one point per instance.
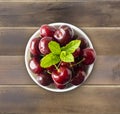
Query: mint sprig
54,47
49,60
59,53
66,57
71,46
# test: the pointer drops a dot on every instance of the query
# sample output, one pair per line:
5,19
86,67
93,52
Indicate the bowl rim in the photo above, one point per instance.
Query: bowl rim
29,71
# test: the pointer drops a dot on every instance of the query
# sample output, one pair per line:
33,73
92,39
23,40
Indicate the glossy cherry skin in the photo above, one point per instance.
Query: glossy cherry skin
75,36
34,65
64,34
65,64
77,52
44,79
40,56
43,45
84,43
83,67
50,69
34,47
79,77
46,30
89,56
59,86
62,75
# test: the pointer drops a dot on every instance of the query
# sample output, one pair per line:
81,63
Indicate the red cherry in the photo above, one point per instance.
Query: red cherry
34,47
43,45
46,30
34,65
64,34
51,69
44,79
77,52
78,78
75,36
89,56
38,56
68,28
83,67
65,64
84,43
59,86
62,75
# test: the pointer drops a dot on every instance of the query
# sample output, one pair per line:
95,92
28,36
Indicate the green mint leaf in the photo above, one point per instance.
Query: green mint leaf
66,57
71,46
54,47
49,60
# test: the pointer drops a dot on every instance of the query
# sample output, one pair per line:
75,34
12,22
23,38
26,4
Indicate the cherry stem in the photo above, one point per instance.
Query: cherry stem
71,67
56,68
78,62
49,72
59,64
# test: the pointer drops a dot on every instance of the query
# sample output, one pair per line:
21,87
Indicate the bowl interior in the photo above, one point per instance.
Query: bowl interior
27,58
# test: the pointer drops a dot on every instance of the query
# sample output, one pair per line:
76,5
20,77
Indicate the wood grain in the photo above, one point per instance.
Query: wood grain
38,1
106,71
83,100
100,19
13,41
13,70
90,13
105,41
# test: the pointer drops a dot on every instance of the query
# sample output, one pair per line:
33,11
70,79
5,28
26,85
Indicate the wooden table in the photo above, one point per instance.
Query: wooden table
100,19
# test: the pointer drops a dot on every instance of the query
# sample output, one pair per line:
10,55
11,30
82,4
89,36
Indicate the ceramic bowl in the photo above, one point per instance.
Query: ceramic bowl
51,87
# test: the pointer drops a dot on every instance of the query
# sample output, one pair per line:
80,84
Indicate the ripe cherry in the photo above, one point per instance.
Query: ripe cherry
50,69
46,30
65,64
64,34
43,45
89,56
44,79
34,50
77,52
84,43
59,86
79,77
34,65
62,75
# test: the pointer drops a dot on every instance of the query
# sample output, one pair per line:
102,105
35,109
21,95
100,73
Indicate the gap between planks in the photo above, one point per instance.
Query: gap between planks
86,86
38,1
79,27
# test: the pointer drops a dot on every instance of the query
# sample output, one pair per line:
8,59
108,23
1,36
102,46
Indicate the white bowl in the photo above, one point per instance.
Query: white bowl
27,58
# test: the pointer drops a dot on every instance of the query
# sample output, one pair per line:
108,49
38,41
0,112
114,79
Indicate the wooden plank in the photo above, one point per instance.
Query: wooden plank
90,13
14,41
53,0
13,71
105,40
106,71
83,100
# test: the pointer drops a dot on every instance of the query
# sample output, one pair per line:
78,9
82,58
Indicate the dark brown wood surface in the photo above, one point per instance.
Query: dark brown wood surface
99,19
106,71
102,38
93,13
84,100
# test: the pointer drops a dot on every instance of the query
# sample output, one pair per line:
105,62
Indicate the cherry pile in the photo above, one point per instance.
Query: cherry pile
63,73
